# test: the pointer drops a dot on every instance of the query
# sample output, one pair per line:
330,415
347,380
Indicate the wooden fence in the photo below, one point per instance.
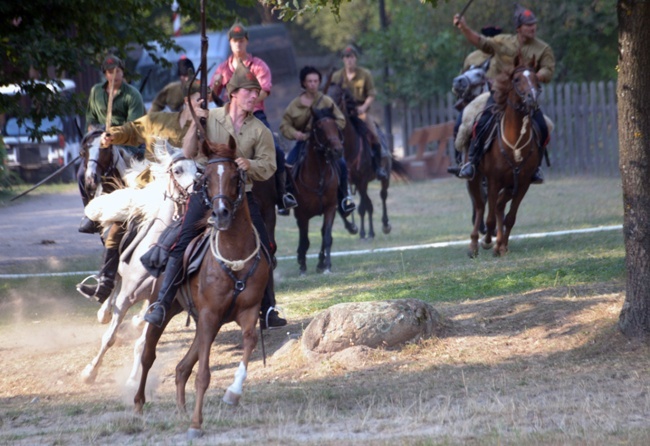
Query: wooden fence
585,138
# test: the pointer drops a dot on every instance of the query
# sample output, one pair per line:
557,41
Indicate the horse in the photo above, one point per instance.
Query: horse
316,180
104,168
156,206
511,159
358,157
228,286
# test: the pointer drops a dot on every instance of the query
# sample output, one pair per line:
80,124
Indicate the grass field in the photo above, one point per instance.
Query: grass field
531,354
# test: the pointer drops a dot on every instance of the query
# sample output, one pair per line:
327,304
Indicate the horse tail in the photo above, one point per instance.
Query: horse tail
398,168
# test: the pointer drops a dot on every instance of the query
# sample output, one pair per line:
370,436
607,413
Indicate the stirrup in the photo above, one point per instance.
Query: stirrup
150,309
347,205
289,201
83,283
467,165
265,322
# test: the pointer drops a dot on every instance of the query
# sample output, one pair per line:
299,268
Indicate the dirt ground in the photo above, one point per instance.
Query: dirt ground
546,367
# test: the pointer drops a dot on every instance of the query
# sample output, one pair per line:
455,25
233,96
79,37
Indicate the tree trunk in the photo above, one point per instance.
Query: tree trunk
633,93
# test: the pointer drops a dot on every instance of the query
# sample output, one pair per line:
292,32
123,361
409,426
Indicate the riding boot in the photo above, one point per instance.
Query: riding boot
538,176
171,282
106,281
380,171
269,316
345,199
287,200
468,169
87,226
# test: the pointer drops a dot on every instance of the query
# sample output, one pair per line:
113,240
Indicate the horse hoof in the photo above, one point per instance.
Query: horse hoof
231,398
89,374
137,409
324,270
193,434
352,228
387,229
104,314
486,245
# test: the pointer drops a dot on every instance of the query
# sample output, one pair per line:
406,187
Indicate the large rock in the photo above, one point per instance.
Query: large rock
371,324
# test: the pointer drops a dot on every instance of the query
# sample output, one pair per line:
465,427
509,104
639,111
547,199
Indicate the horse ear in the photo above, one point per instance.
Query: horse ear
486,65
160,149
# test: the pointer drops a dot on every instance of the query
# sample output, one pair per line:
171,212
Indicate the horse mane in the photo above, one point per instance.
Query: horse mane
320,113
501,87
221,150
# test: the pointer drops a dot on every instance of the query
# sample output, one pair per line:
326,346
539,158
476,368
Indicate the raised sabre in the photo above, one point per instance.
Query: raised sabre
464,10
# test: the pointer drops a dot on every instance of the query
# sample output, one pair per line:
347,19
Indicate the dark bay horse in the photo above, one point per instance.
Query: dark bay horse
104,168
316,183
361,170
511,160
228,286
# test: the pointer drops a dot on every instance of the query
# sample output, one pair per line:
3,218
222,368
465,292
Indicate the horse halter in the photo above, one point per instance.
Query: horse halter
523,106
183,192
241,187
326,145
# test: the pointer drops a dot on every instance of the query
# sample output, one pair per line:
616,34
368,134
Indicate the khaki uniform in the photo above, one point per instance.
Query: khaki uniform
505,48
254,142
171,96
474,59
361,85
297,116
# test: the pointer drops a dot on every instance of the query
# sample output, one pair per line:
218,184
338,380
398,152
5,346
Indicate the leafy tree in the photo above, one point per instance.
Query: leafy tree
46,40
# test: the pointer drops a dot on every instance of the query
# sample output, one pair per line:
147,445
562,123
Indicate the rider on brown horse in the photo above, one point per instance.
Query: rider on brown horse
505,47
361,85
296,125
256,156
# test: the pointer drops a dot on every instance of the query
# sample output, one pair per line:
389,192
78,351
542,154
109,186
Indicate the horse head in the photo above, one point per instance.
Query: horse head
471,83
180,171
325,135
101,162
224,184
526,88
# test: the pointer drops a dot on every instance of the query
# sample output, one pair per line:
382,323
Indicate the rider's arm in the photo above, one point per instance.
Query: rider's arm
289,126
262,164
471,35
547,65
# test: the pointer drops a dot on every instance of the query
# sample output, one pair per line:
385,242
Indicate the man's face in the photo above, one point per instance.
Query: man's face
312,82
238,46
527,32
115,74
350,61
245,98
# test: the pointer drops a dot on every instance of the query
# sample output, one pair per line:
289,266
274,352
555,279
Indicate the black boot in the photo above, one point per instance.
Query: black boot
468,169
380,172
345,199
106,281
287,201
538,177
171,282
87,226
269,316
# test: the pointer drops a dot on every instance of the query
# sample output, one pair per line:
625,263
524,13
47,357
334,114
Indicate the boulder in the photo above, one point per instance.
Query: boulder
371,324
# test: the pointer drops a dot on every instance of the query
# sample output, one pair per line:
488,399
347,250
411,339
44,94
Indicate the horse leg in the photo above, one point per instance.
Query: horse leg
511,217
206,330
478,206
386,227
303,243
247,321
138,348
350,226
493,210
183,372
147,359
89,373
324,257
104,314
365,205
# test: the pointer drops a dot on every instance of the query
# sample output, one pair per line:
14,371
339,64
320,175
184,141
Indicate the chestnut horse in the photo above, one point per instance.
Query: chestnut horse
316,184
511,160
358,157
228,286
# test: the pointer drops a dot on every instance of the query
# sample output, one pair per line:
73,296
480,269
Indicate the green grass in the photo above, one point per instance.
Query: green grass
428,212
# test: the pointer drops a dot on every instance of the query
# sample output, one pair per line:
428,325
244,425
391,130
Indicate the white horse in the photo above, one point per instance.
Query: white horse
157,205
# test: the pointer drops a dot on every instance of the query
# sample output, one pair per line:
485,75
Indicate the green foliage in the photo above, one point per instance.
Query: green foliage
7,177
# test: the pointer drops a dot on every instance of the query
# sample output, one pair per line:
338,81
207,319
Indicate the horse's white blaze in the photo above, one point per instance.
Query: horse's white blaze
237,386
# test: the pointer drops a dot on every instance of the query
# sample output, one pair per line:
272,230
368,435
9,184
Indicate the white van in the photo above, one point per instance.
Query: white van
33,160
272,43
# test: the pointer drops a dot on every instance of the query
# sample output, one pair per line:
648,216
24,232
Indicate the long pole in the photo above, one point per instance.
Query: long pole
47,178
388,113
204,63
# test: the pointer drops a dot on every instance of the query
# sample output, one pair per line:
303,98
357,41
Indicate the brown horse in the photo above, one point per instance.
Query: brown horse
228,286
358,157
104,167
316,184
511,159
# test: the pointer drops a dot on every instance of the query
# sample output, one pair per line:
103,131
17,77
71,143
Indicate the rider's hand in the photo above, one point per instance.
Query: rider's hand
105,140
300,136
243,163
459,21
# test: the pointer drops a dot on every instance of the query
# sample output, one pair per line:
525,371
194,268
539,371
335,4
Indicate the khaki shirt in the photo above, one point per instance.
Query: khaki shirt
506,46
170,96
254,142
297,116
475,59
147,128
361,85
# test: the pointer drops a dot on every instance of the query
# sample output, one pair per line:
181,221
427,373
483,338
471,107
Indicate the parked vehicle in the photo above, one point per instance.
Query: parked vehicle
32,159
272,43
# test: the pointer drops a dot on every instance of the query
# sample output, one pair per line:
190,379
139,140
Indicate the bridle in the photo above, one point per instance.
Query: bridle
521,105
241,188
324,145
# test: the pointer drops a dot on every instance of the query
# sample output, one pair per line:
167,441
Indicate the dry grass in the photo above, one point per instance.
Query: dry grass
547,367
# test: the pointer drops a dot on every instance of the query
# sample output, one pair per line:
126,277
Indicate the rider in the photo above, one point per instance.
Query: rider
127,106
172,94
255,151
296,125
238,37
360,83
170,126
505,48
